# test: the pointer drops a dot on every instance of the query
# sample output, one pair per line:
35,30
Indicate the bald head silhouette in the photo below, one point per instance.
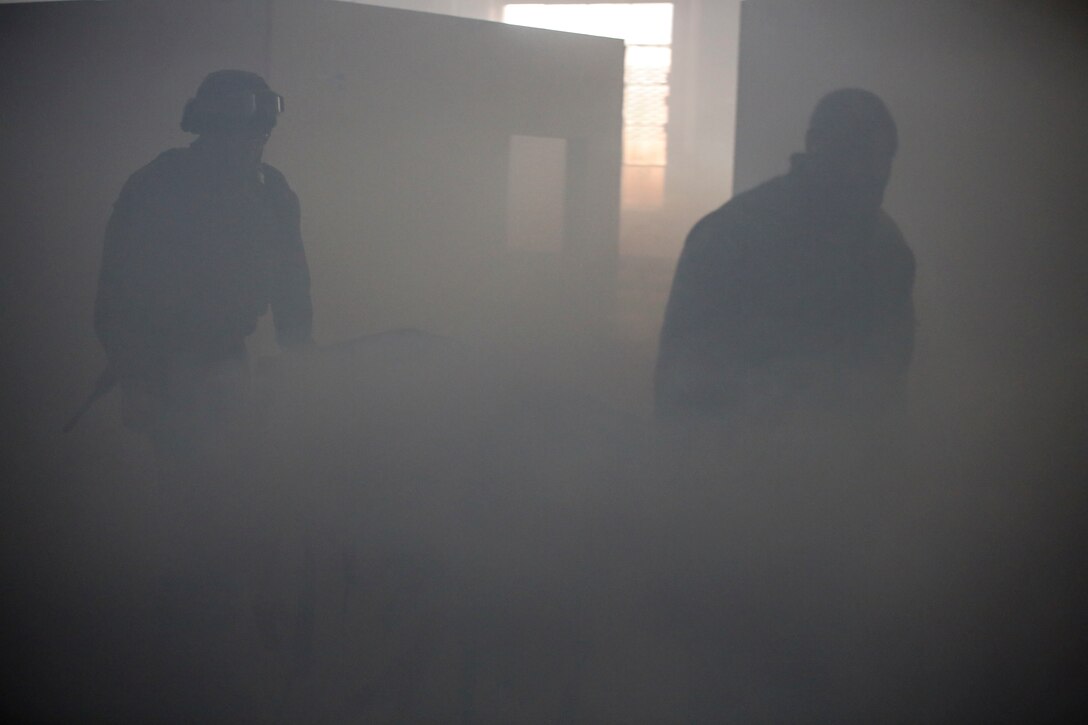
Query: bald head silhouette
849,147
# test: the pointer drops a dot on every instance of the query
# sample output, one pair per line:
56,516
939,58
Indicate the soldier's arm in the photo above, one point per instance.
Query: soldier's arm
701,363
891,347
125,302
292,308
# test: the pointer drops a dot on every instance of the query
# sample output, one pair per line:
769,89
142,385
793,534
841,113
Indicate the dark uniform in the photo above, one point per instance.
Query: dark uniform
190,262
780,303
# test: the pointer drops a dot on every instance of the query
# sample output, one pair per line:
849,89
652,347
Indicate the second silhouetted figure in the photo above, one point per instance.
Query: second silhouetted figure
797,294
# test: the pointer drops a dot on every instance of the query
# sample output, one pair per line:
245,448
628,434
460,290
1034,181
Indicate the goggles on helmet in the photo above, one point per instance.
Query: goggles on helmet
241,109
244,105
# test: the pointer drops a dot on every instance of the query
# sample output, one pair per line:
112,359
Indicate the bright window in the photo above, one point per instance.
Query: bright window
646,28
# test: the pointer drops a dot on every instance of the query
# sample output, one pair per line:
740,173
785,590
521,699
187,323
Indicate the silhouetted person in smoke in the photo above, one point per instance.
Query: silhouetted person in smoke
201,242
797,294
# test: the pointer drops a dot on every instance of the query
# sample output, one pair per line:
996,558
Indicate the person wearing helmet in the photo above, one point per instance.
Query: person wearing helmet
797,294
200,244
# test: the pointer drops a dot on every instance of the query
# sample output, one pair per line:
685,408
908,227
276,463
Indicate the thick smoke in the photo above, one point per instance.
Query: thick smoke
413,531
414,527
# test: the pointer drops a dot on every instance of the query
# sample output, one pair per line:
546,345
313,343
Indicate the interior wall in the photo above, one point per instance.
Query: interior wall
399,150
702,113
991,106
702,116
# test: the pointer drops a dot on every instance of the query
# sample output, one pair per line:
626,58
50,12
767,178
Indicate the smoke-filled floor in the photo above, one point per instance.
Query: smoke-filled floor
408,530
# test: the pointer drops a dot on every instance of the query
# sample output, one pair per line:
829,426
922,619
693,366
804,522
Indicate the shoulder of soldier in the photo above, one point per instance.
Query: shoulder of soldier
166,165
165,170
730,230
274,178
